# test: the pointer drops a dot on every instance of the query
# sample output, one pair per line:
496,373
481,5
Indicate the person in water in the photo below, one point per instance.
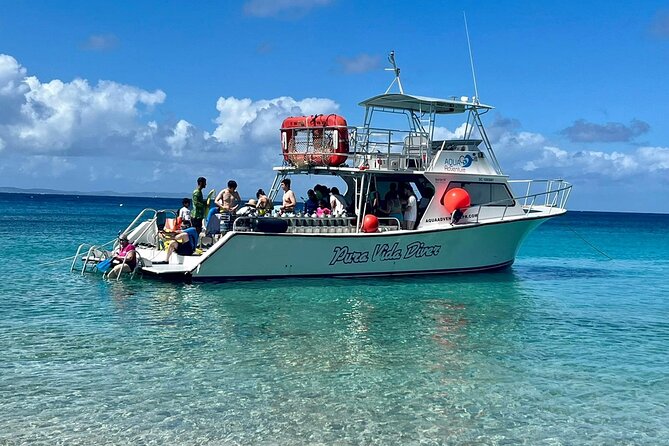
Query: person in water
125,258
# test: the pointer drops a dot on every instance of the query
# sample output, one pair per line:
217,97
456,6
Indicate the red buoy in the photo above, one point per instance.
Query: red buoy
456,198
370,223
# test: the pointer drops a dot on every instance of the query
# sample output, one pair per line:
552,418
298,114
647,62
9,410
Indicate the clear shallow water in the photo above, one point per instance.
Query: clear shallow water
566,347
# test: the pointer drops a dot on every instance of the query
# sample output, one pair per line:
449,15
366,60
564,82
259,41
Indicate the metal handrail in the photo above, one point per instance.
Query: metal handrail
134,222
561,195
87,259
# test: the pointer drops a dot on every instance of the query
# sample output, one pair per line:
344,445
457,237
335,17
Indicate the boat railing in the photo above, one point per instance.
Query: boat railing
375,148
553,193
390,149
94,254
141,229
551,198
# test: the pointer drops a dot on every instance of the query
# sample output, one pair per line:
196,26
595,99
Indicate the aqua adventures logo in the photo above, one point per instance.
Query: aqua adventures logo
458,164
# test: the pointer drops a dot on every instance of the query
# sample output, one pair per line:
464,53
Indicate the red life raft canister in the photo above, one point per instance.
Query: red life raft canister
317,140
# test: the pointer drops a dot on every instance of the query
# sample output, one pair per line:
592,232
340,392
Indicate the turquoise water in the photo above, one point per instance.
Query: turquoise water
566,347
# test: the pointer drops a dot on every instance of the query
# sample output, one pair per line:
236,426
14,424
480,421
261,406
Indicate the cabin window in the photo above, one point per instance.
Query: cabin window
497,194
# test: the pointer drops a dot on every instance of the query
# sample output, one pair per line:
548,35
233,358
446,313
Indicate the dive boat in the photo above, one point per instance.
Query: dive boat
470,216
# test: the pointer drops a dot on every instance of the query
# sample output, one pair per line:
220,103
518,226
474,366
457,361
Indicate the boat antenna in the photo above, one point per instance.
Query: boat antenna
471,60
391,59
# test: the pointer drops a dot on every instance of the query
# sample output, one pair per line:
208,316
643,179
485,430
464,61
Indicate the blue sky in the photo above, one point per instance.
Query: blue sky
147,96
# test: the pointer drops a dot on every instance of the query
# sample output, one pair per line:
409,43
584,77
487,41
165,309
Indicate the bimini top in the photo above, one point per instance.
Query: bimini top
422,104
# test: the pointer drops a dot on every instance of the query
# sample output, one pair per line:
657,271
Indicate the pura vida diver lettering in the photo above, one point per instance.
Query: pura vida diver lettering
383,252
342,254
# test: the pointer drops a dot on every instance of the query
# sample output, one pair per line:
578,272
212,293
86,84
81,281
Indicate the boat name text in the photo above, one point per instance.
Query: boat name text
383,252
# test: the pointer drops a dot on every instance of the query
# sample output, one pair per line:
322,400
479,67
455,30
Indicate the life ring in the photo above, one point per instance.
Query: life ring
316,140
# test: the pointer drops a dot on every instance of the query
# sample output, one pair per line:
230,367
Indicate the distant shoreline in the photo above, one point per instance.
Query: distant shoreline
105,193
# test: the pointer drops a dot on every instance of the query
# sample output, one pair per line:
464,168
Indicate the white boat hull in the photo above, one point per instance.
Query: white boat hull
252,255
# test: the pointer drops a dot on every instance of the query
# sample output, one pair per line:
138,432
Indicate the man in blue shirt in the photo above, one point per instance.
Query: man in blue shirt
184,243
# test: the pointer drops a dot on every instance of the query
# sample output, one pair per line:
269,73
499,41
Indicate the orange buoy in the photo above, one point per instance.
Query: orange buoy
370,223
456,198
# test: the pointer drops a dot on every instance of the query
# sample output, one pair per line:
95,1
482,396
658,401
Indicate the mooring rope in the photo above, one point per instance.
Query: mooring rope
590,244
57,261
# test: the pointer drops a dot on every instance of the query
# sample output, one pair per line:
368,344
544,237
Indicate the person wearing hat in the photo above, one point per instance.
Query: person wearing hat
249,209
125,259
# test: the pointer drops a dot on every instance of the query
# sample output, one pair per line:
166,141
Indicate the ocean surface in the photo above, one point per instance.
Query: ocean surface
565,347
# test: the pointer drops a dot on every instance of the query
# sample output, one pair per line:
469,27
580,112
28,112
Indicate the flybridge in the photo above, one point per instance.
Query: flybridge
422,104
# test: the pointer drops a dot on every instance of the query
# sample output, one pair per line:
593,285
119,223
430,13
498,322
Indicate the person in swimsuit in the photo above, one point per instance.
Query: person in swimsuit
125,259
288,203
228,199
264,206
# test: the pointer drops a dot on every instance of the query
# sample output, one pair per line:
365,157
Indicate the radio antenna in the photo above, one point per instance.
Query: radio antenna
396,71
471,60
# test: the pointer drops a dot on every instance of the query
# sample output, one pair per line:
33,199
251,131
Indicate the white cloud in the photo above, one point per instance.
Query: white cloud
75,124
178,140
107,132
67,118
249,130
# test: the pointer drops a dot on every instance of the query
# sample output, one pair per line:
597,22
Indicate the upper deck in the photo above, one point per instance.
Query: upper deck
422,104
380,148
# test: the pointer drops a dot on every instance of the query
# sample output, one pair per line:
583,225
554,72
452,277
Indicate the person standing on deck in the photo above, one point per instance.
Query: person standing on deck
411,209
337,202
289,201
228,199
199,205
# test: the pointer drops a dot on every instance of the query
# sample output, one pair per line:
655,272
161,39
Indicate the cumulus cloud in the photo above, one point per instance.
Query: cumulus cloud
100,42
285,8
248,127
616,165
584,131
55,127
106,134
361,63
524,153
521,152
